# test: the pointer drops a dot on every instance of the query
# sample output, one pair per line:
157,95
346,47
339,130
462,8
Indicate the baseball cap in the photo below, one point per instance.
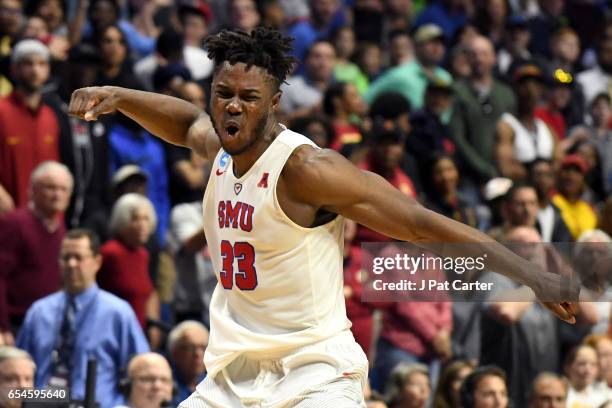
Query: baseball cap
575,160
440,84
528,71
128,171
196,6
428,32
496,188
28,47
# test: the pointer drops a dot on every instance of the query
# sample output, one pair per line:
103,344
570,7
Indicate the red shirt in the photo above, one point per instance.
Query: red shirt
125,273
345,134
28,261
27,138
554,120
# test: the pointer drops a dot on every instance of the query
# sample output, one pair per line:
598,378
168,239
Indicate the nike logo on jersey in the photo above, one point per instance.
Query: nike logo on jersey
219,172
223,160
239,215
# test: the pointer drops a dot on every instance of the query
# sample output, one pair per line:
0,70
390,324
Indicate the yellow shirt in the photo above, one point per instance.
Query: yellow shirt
579,216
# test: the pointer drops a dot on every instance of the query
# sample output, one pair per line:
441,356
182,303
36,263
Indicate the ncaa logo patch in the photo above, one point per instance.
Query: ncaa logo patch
224,159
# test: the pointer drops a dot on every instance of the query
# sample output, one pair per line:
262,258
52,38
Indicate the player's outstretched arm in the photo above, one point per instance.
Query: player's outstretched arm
326,180
172,119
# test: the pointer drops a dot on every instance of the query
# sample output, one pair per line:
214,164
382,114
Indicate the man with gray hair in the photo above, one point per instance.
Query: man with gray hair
30,239
186,345
16,370
29,130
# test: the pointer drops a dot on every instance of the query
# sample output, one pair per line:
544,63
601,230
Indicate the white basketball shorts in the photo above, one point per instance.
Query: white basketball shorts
330,373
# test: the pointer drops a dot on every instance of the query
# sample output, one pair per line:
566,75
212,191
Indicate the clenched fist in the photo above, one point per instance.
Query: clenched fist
89,103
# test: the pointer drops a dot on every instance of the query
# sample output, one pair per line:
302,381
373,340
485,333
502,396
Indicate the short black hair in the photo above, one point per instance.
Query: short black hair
263,47
509,196
335,90
390,105
78,233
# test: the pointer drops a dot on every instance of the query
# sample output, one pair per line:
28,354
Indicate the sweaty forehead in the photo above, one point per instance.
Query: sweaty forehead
237,76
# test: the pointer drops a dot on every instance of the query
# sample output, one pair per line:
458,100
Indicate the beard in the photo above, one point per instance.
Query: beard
257,134
27,86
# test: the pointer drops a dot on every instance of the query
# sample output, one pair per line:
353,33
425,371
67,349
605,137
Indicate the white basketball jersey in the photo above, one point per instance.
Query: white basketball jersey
280,284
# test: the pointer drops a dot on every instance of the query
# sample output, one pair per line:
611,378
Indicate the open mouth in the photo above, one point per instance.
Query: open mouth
232,130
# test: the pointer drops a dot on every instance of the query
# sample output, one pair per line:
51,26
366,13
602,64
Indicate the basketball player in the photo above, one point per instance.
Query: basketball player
273,212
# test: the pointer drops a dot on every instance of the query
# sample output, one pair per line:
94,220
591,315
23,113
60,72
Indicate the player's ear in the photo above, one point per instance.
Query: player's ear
276,99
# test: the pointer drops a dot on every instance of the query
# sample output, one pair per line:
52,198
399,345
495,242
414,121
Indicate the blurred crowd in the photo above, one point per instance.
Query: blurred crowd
496,113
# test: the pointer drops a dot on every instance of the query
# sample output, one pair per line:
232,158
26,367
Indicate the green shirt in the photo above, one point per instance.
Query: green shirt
352,74
473,125
409,79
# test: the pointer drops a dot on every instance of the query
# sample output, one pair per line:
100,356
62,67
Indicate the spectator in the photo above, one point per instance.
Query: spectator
125,260
130,144
442,189
600,134
558,96
187,174
490,19
325,17
544,24
479,103
518,334
315,127
548,390
450,15
149,382
343,105
116,67
447,392
195,278
428,134
52,12
29,131
104,13
16,371
345,70
83,146
369,60
565,49
485,387
515,50
244,15
187,343
597,79
30,239
358,312
302,93
602,343
550,224
459,62
401,50
578,215
11,21
408,386
384,158
523,138
195,18
418,330
581,370
63,329
592,258
411,78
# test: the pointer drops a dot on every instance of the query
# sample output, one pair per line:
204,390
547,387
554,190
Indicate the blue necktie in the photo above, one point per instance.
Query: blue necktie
68,334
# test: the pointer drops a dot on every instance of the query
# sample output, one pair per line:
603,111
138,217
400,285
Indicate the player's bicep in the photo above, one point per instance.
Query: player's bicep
334,184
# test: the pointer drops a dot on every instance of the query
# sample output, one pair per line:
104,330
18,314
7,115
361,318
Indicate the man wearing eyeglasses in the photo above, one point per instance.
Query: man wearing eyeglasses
149,382
64,330
187,343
